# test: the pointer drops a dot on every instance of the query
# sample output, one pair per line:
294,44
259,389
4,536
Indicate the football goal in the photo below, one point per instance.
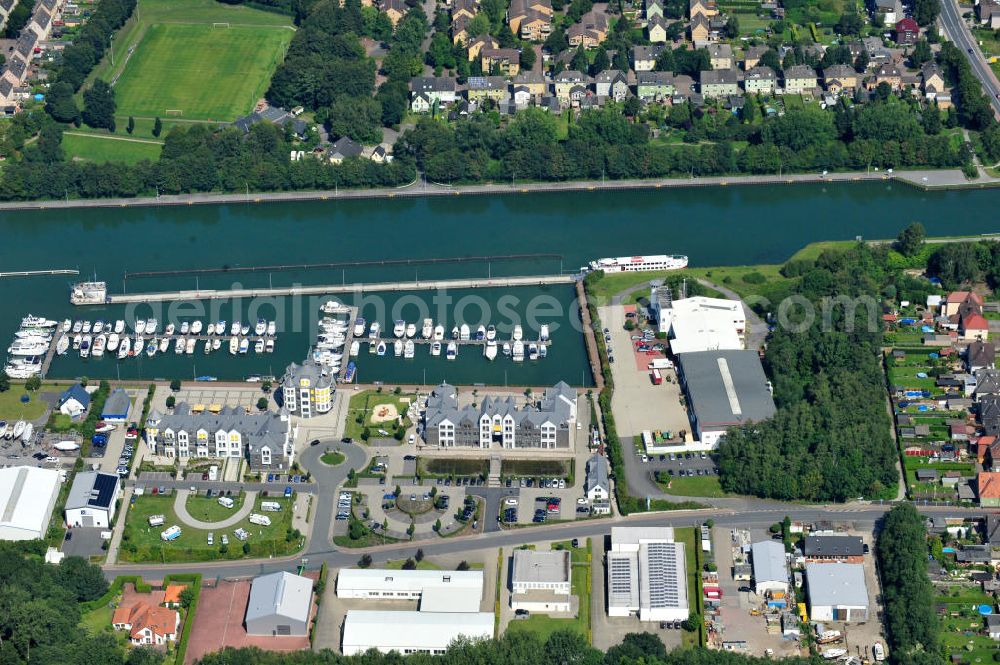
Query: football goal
220,25
173,112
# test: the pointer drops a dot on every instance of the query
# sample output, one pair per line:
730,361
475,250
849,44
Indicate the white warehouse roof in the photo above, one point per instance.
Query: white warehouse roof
628,538
27,495
769,562
837,584
663,585
280,595
439,590
406,632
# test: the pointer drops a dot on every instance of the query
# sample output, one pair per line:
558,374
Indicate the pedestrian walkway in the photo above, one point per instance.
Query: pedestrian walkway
180,507
116,533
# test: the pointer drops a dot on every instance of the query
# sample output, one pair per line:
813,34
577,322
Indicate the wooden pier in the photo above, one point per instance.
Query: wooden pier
51,353
32,273
352,313
325,289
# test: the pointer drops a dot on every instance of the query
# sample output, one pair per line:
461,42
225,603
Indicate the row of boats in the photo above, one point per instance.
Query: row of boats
149,327
401,329
31,342
19,431
124,346
517,351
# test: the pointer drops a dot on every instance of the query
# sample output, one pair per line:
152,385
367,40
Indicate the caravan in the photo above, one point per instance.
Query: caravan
172,533
270,506
156,520
261,520
225,502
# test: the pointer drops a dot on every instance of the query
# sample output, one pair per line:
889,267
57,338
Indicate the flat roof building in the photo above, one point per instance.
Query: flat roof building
837,592
437,590
91,500
724,389
412,632
540,581
27,497
698,323
770,568
280,604
647,574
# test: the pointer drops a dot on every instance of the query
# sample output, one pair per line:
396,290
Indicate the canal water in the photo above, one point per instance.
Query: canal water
717,226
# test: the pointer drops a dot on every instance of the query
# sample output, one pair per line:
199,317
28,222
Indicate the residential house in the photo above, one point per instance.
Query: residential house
437,89
394,9
717,83
835,549
988,13
460,32
891,10
988,489
531,19
565,81
907,31
464,8
655,86
656,30
644,57
420,103
700,31
799,79
597,487
535,26
888,73
992,626
706,8
274,115
721,56
591,30
477,45
980,355
654,8
962,302
504,61
974,327
840,78
522,96
987,383
172,595
982,450
877,52
989,414
307,390
481,88
611,83
343,148
752,56
760,80
932,80
147,624
74,401
534,82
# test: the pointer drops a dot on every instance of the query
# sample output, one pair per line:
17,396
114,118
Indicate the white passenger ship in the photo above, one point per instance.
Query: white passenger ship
641,263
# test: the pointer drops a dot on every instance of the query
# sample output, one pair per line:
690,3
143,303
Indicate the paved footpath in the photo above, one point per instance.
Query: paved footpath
180,507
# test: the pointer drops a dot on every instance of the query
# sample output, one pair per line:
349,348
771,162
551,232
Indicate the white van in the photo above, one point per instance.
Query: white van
156,520
270,506
225,502
262,520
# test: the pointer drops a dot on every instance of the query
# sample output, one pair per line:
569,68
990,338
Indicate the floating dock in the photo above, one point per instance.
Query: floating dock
324,289
32,273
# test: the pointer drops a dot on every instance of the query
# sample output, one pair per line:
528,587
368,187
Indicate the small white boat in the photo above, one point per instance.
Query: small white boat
380,349
185,327
506,348
67,446
164,345
244,329
100,343
208,346
452,352
269,345
62,346
439,332
464,332
490,351
399,328
244,345
428,329
18,429
258,346
124,347
359,327
260,328
119,326
543,350
331,307
66,325
189,345
152,348
151,325
355,348
86,327
532,351
196,327
139,345
435,348
518,351
374,330
372,346
543,333
216,344
397,348
85,346
4,428
409,348
272,328
140,326
411,330
831,654
98,326
234,344
179,346
77,326
211,329
235,328
77,338
220,327
113,341
169,330
455,332
518,332
29,429
481,332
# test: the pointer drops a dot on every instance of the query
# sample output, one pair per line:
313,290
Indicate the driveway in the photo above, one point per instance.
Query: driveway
327,480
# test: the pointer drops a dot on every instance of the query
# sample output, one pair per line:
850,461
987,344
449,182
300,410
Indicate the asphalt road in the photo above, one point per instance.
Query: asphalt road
958,32
328,479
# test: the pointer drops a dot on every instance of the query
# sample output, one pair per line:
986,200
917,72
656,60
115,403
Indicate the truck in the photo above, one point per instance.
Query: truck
225,502
661,363
262,520
270,506
156,520
172,533
656,377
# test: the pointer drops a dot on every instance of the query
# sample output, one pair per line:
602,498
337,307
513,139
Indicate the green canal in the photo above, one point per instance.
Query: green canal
717,226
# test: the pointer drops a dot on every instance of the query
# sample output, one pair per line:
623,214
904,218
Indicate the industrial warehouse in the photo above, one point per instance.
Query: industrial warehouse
647,575
27,497
837,592
540,581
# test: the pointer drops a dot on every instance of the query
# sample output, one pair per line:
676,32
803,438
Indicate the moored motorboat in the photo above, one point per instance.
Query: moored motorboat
543,333
62,346
196,327
244,329
124,347
179,346
269,345
491,332
490,350
210,330
532,351
272,328
518,333
98,326
463,331
185,327
439,332
234,344
397,348
244,345
452,352
113,341
428,329
359,327
86,327
435,348
258,346
66,325
152,348
517,351
409,348
374,330
399,328
139,345
455,332
189,345
77,326
100,343
119,326
355,348
481,332
235,328
411,330
380,349
169,330
164,344
372,346
216,344
151,325
506,348
85,346
140,326
261,327
77,338
543,350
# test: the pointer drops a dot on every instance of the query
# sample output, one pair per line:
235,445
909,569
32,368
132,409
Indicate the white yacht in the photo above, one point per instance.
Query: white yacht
220,327
455,332
463,332
439,332
258,346
31,321
244,345
66,325
210,330
140,326
380,349
208,346
100,343
532,351
359,327
235,328
216,344
196,327
152,348
151,325
543,350
490,350
411,330
179,346
119,326
518,351
409,348
169,330
269,345
331,307
189,345
234,344
543,333
164,345
86,327
85,346
372,346
244,329
77,339
518,333
98,326
124,347
355,348
374,330
113,341
62,346
491,332
397,348
185,327
481,332
29,429
272,328
260,328
77,326
435,348
452,352
506,348
428,329
18,429
140,344
399,328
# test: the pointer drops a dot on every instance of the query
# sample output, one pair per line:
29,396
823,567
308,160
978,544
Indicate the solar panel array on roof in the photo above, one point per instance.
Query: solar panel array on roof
104,489
662,567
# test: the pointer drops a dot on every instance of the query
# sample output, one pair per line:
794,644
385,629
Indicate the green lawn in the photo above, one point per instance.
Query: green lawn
11,407
141,543
424,564
961,634
204,72
543,625
362,406
97,148
691,539
730,277
208,509
702,486
98,621
333,458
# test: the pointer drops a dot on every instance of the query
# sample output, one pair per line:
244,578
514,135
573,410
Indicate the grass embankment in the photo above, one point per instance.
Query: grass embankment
101,148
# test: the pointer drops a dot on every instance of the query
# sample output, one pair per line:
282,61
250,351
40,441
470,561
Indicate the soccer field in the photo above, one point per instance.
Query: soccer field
200,72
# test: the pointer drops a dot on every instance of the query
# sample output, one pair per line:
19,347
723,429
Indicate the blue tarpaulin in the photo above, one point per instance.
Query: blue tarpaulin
935,356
